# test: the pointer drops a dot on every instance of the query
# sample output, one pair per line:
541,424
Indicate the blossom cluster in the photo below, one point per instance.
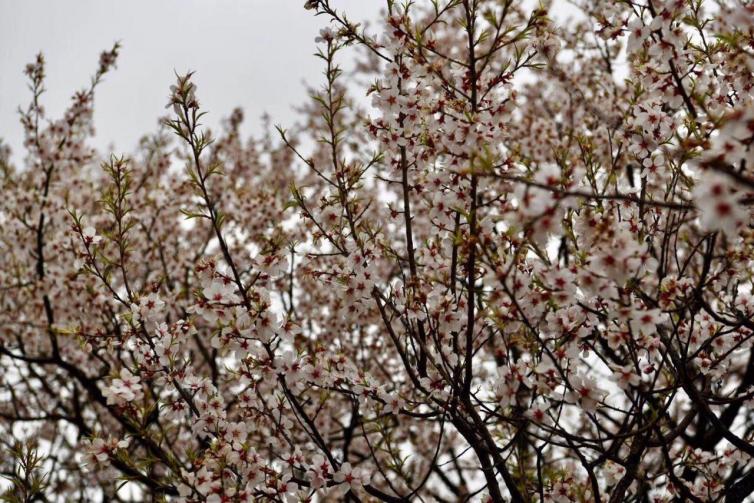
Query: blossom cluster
522,273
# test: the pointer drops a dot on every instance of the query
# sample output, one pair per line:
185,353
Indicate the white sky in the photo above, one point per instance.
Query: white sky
256,54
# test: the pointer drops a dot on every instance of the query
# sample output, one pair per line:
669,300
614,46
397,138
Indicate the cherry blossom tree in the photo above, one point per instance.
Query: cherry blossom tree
522,273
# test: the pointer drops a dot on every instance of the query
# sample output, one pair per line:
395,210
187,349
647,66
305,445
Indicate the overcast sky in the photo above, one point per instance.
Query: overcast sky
256,54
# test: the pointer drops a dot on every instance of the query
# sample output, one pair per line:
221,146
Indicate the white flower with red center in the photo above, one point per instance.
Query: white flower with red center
126,388
626,377
236,434
567,320
546,376
652,120
319,471
441,211
622,258
90,236
150,307
537,412
539,209
733,143
317,374
100,450
561,281
273,265
163,347
392,402
195,383
217,301
561,492
291,367
204,481
265,325
220,292
745,303
175,410
353,478
281,488
638,34
330,217
716,199
585,392
389,101
325,35
247,399
295,459
646,321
